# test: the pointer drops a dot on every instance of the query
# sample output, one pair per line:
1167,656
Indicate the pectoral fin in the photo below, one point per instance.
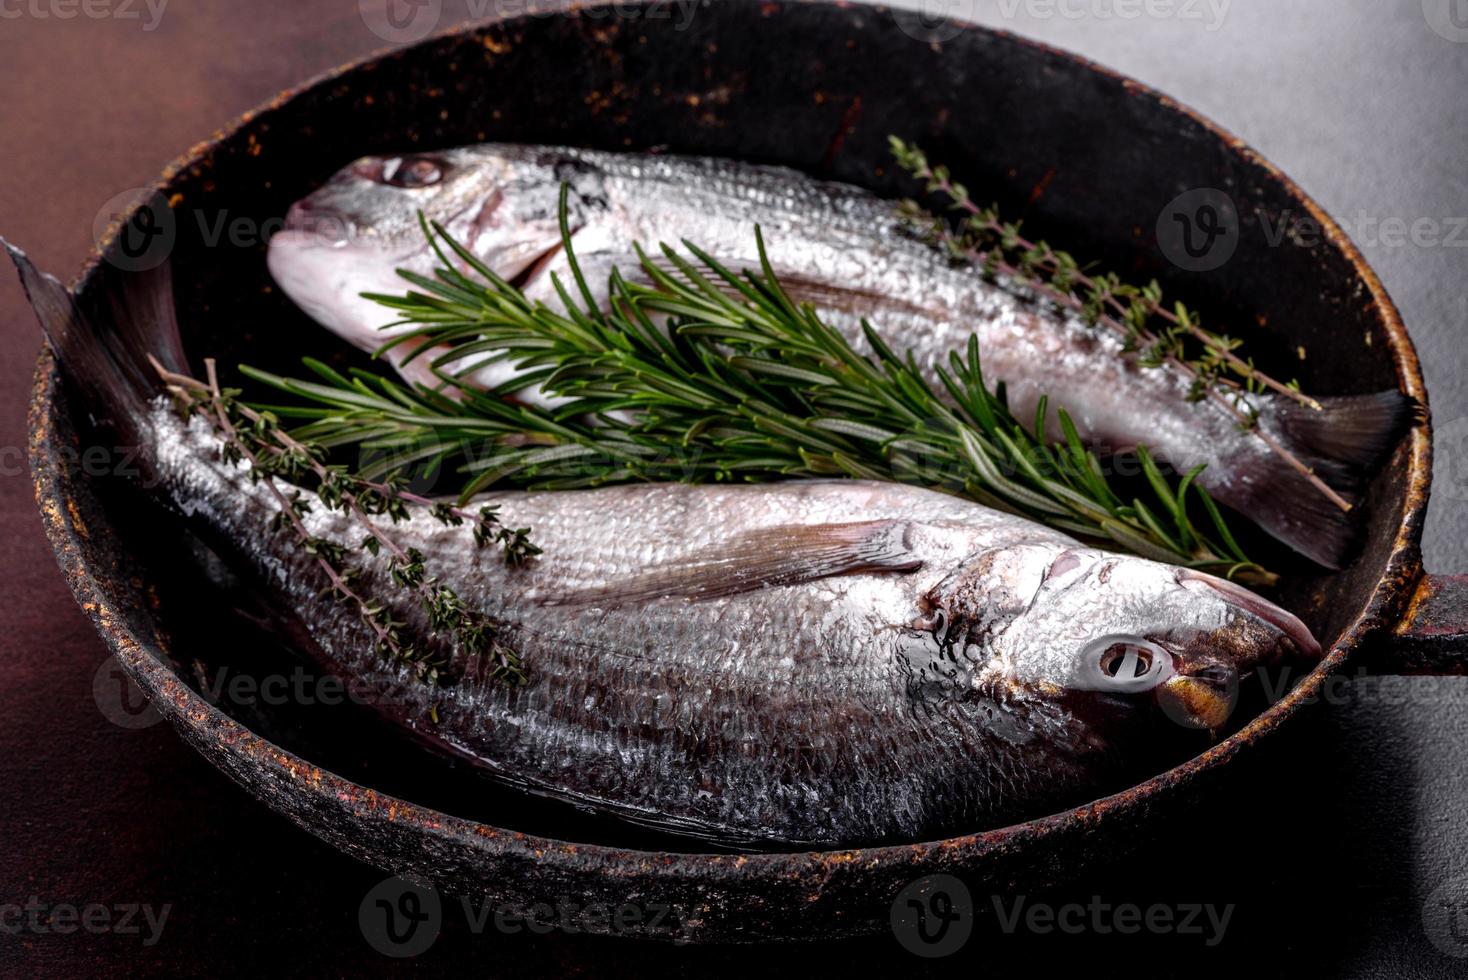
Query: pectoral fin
763,558
800,287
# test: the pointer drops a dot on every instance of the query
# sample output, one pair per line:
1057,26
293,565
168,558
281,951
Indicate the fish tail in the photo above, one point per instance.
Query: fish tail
1340,441
1351,431
104,353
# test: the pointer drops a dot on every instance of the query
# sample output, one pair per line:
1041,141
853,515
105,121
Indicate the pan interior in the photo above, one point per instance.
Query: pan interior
1085,158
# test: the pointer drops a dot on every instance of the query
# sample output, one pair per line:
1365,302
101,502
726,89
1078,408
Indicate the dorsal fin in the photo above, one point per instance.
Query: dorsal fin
760,559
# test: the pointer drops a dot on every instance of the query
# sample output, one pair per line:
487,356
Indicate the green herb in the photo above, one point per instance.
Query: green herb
255,437
1156,334
704,374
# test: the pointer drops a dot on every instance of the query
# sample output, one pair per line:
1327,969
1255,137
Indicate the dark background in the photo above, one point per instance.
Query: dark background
1331,866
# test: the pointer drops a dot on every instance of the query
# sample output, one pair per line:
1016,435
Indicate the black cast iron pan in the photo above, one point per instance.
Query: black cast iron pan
1087,157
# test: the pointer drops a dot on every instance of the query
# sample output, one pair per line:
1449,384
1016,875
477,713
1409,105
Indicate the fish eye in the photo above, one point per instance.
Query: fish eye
411,172
1124,665
1125,661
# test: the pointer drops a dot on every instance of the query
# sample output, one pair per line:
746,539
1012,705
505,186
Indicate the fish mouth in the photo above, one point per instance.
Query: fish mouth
1203,698
1285,622
326,278
309,223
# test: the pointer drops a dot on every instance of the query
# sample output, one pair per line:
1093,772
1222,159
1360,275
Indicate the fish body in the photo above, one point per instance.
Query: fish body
803,664
838,247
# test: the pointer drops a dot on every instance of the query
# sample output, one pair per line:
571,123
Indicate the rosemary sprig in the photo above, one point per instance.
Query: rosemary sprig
275,456
742,384
1156,333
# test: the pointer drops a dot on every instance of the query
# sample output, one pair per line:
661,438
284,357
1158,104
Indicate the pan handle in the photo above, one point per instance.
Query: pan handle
1432,637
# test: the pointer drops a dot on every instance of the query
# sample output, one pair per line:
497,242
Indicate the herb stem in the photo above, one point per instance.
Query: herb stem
226,426
1058,276
946,186
475,632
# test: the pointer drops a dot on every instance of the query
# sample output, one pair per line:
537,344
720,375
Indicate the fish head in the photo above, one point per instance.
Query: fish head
352,234
1126,629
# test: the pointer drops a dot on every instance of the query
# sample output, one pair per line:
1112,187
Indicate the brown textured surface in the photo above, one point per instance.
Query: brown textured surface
91,812
233,869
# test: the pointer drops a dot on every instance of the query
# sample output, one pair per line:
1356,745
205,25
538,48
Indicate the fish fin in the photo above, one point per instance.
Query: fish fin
144,317
1351,430
830,296
105,356
764,558
800,287
1340,442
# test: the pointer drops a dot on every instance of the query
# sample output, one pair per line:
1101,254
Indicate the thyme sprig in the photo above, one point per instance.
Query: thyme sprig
277,457
1156,334
703,374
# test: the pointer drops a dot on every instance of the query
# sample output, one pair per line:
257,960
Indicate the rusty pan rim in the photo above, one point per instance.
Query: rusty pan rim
200,721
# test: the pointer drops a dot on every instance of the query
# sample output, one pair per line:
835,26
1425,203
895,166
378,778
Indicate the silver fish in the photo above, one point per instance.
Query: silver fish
836,246
800,664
